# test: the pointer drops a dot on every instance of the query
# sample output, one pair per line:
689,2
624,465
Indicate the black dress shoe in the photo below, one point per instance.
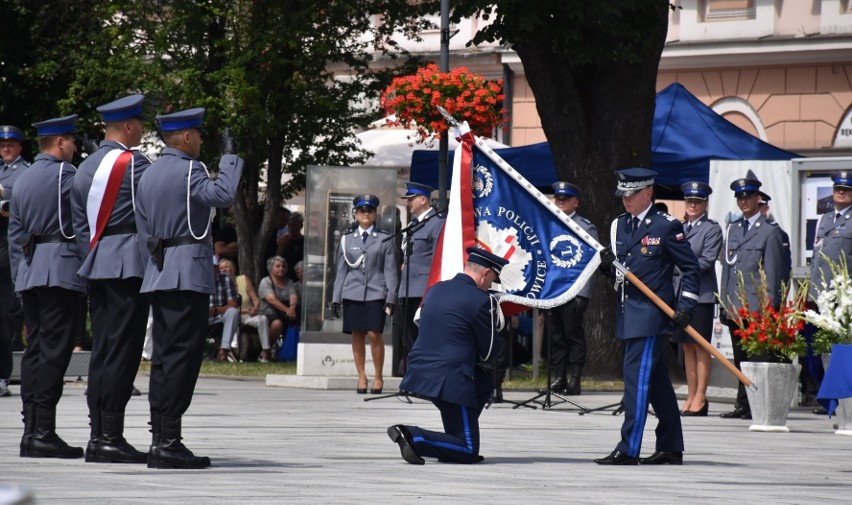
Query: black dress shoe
697,413
820,411
617,457
399,434
663,458
738,413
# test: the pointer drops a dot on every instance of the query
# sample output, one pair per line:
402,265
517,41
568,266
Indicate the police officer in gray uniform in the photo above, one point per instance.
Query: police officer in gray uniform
750,241
12,165
567,335
834,233
174,208
366,285
45,261
418,248
103,202
705,239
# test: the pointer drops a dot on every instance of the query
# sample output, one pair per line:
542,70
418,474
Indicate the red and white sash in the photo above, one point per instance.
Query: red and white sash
104,191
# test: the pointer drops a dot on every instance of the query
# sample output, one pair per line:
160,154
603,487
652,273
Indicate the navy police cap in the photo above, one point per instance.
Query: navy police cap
57,126
561,188
842,179
122,109
631,180
413,189
747,185
696,190
487,259
764,198
9,132
366,201
181,120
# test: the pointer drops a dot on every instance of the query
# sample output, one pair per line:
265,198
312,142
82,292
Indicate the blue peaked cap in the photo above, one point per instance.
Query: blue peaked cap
417,189
696,190
366,201
57,126
9,132
747,185
486,259
561,188
181,120
843,179
631,180
122,109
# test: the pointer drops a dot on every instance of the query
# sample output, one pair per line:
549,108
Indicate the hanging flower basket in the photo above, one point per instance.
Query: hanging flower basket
412,101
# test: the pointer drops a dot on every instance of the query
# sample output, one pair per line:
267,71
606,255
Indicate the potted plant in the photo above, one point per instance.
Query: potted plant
412,101
833,317
771,339
833,322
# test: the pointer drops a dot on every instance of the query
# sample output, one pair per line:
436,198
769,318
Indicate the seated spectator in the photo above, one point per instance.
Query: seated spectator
278,297
224,315
291,246
225,239
249,309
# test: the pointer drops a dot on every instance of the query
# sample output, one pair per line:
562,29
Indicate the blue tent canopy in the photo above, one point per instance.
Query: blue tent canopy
685,136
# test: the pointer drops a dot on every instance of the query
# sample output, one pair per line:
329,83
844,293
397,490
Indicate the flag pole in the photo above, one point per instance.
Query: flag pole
630,276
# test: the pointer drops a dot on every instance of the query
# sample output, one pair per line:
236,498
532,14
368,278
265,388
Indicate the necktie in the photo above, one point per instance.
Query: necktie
745,227
364,237
689,228
836,217
635,225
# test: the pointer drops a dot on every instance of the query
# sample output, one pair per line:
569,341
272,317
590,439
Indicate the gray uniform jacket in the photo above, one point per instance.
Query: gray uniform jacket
834,239
763,243
423,242
10,173
592,230
705,239
42,196
162,206
114,256
365,271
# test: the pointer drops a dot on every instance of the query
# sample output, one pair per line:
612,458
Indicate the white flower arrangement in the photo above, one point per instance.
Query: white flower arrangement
833,318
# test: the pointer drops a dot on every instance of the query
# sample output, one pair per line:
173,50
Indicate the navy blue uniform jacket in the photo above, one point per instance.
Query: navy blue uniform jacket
651,254
455,332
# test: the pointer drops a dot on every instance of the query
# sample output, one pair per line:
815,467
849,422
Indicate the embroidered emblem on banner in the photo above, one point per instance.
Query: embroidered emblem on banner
565,251
483,182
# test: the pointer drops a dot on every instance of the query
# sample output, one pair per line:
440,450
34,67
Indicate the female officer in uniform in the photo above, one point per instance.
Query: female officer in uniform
366,285
705,239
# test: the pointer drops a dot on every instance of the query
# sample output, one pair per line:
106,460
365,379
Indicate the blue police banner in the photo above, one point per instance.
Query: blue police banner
550,257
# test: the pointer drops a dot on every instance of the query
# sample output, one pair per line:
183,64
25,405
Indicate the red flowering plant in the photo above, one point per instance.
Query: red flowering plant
764,331
412,101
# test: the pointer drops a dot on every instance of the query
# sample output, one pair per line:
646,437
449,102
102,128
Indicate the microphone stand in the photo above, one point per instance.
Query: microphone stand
412,227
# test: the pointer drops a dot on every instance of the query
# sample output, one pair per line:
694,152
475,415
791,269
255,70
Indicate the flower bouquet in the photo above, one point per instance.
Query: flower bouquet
412,101
767,333
833,317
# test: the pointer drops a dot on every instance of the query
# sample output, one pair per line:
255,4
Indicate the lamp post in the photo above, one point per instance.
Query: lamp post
443,144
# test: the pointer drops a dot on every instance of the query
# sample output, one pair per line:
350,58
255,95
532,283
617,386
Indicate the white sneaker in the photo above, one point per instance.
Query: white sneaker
4,388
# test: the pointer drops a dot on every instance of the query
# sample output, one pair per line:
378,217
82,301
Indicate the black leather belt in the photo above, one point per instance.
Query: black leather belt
119,229
51,239
185,240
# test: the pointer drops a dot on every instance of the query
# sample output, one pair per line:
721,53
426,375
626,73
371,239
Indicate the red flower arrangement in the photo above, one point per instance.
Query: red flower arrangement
413,101
769,332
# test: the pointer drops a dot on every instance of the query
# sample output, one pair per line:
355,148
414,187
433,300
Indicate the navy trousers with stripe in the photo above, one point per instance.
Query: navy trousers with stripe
460,441
646,381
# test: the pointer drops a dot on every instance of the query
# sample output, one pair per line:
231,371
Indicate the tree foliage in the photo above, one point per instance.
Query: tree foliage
263,68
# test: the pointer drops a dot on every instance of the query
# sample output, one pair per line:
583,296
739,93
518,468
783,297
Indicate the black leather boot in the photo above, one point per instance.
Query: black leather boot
46,443
94,435
170,452
29,427
573,386
112,446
